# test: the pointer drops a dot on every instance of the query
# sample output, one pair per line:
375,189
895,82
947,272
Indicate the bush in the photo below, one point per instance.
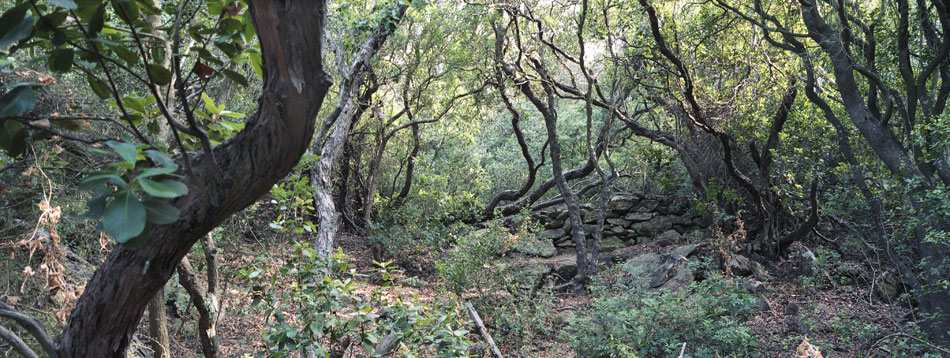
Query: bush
505,294
330,311
708,316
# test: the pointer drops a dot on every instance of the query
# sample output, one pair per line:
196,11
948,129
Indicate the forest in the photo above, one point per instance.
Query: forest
477,178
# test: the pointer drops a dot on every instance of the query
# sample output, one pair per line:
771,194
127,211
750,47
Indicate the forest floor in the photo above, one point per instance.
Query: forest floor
838,310
843,319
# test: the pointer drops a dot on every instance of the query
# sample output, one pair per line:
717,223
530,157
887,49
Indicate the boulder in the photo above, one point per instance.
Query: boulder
670,236
533,246
685,250
667,271
551,234
638,217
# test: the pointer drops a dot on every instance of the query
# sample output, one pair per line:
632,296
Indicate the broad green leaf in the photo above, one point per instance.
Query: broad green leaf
125,150
61,60
99,87
232,114
13,138
20,29
99,151
160,212
235,77
66,4
94,182
161,158
163,189
209,104
159,74
98,21
124,217
96,205
18,100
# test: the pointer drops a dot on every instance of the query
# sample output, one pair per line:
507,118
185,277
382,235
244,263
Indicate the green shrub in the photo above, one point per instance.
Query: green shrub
624,322
504,293
328,310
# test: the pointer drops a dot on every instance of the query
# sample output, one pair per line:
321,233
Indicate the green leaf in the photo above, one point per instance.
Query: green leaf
66,4
96,205
161,158
124,217
159,74
163,189
98,21
61,60
100,151
235,77
99,87
13,138
126,150
94,182
20,99
18,29
160,212
209,104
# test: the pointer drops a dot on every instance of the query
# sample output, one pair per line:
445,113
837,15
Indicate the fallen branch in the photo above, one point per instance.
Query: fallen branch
33,326
481,327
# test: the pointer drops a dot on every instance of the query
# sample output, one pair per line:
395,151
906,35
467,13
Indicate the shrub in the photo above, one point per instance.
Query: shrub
329,311
624,322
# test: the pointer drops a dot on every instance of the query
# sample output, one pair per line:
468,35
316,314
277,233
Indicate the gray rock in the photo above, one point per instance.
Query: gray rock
685,250
612,243
534,247
618,222
669,235
638,217
662,271
552,234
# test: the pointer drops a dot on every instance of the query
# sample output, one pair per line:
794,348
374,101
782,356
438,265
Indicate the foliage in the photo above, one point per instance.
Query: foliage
131,194
505,293
328,310
708,316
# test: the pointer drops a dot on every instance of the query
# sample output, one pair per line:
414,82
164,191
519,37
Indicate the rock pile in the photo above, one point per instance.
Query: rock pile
631,219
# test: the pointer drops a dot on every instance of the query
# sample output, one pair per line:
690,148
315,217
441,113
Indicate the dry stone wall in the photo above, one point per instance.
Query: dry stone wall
631,219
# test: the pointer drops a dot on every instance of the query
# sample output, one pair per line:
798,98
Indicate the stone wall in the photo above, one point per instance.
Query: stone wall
631,219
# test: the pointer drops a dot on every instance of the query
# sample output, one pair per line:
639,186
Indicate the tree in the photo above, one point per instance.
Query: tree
894,91
220,180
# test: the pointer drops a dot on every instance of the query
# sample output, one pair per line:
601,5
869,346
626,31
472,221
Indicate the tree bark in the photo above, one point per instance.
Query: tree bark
158,325
272,142
341,120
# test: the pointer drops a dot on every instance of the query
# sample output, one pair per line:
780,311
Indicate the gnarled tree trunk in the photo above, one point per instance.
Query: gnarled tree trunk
295,85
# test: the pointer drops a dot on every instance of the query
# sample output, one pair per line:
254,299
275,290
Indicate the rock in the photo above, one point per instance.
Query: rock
685,250
612,243
754,286
564,266
647,205
669,235
885,287
803,260
743,266
552,234
638,217
555,224
667,271
621,222
563,317
534,247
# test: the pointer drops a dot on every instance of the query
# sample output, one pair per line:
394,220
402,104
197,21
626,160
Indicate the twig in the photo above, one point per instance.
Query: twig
481,327
683,350
899,334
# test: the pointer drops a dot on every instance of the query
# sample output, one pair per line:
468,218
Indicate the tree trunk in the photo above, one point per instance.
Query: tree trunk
158,325
105,317
205,300
341,120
